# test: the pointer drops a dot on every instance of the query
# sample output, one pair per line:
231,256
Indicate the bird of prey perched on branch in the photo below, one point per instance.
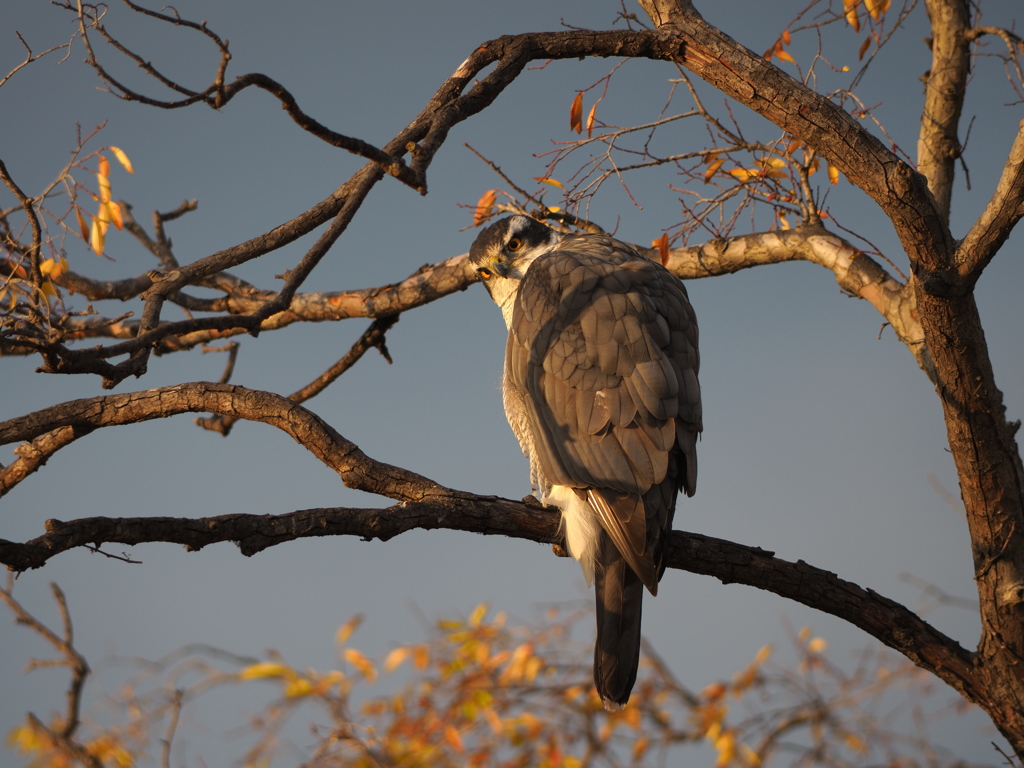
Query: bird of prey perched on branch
601,390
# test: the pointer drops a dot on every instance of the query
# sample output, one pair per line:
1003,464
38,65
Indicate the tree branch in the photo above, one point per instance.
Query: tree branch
900,191
1004,210
353,466
938,145
855,272
882,618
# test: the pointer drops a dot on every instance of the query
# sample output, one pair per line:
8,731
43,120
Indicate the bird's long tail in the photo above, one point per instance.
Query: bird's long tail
620,596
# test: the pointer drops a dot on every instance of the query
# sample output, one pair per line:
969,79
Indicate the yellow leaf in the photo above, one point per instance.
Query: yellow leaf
590,120
297,687
550,182
96,236
104,182
784,55
750,756
773,162
713,169
742,173
103,217
345,630
833,174
477,615
48,267
817,645
576,114
726,746
264,669
104,166
26,739
360,662
83,225
115,215
484,207
122,158
783,224
396,658
554,208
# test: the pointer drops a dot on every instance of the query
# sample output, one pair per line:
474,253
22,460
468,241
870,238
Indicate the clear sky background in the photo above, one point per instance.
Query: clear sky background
820,437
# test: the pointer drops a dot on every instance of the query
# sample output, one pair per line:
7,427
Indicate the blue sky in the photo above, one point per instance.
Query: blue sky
820,433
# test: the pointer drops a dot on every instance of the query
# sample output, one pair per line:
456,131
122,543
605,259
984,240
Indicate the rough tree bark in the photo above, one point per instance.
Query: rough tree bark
982,442
933,312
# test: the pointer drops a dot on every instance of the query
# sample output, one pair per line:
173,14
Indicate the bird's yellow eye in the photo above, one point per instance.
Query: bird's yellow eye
514,244
484,273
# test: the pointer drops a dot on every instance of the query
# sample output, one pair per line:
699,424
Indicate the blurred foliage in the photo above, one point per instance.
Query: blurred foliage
479,692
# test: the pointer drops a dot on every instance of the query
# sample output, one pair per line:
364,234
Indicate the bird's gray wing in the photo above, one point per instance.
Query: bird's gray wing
604,344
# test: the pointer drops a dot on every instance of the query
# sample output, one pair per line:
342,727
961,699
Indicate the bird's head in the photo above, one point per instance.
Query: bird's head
503,251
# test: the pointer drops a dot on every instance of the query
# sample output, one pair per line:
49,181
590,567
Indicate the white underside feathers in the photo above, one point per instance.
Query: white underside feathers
579,525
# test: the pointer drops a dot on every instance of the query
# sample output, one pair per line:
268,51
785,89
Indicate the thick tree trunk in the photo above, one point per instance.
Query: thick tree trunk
989,468
983,446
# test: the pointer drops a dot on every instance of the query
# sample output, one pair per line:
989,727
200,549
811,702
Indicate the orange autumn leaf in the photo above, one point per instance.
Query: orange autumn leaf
833,174
784,55
484,207
786,37
877,8
395,659
863,48
713,169
421,656
83,225
662,245
104,166
576,114
549,181
345,630
852,18
361,662
451,735
590,120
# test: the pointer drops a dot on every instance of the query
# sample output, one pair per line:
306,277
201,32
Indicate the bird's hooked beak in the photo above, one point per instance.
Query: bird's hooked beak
499,268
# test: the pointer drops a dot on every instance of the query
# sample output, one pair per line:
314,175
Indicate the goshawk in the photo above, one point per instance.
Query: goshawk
601,390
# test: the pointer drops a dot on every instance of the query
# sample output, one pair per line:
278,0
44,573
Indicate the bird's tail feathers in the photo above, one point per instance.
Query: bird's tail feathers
620,596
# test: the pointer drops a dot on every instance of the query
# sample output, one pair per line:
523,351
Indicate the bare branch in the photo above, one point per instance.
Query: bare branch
372,337
355,468
1004,210
28,206
855,272
62,735
34,454
884,619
